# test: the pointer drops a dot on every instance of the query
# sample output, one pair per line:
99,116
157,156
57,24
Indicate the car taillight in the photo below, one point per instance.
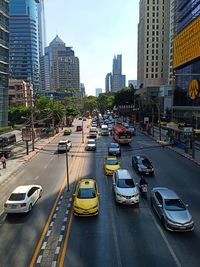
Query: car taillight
23,205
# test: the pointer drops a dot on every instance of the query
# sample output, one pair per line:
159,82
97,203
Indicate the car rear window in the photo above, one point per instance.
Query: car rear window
86,193
126,183
112,162
174,204
17,196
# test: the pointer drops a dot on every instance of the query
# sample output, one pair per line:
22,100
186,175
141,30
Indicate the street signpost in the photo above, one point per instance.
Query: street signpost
26,136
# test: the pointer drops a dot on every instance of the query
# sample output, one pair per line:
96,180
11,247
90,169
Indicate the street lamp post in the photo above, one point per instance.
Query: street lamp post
159,125
82,133
67,169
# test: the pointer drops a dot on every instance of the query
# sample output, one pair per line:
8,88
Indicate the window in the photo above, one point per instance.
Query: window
147,76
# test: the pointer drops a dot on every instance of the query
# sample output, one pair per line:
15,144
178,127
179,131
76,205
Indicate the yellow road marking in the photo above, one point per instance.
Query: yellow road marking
64,248
37,250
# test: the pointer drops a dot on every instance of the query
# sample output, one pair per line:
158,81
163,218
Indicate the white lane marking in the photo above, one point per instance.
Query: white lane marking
48,233
63,228
57,250
65,219
67,212
44,245
59,202
60,238
54,216
54,263
36,178
178,264
52,223
39,259
69,205
57,208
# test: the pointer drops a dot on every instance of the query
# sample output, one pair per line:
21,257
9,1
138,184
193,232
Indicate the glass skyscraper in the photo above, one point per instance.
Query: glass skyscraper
24,41
4,60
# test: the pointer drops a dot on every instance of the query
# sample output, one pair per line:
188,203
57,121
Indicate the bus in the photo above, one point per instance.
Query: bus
7,139
121,134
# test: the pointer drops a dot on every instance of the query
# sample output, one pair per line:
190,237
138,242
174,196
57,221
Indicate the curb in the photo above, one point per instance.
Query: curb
173,149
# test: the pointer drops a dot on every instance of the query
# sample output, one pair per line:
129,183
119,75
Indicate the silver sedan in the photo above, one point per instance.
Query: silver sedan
171,210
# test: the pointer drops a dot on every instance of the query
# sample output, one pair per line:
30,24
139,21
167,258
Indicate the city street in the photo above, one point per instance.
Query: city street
119,235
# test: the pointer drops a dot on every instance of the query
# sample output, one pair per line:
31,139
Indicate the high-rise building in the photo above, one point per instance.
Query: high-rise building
108,82
61,66
82,89
187,62
98,91
41,27
24,41
153,43
118,80
4,62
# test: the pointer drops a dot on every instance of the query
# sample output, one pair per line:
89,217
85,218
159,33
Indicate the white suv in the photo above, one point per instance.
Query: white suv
63,144
125,189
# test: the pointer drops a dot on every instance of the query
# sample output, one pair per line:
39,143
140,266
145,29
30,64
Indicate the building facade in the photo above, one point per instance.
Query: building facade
186,104
153,43
98,91
20,93
108,82
4,61
118,80
61,67
24,41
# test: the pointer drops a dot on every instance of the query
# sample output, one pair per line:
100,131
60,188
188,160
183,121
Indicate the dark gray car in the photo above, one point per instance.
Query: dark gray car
114,150
171,210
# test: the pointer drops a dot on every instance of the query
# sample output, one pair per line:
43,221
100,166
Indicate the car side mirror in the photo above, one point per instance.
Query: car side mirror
159,205
186,205
98,194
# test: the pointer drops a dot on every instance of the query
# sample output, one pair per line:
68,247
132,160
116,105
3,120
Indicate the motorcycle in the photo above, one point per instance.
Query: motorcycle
143,189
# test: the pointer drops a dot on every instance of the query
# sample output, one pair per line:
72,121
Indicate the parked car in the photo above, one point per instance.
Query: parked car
91,145
125,189
114,150
86,198
23,198
63,144
142,165
111,164
171,210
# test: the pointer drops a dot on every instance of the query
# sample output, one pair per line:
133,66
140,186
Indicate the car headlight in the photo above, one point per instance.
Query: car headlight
139,169
136,195
119,195
96,206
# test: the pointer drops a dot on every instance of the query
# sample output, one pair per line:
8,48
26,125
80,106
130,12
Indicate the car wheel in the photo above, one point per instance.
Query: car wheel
30,208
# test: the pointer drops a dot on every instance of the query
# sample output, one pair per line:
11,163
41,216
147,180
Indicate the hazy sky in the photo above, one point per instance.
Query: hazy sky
97,30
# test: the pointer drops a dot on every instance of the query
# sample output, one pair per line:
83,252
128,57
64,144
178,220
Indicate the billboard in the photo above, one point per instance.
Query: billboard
187,44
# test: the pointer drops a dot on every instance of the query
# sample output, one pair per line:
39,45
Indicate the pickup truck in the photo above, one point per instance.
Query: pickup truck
63,144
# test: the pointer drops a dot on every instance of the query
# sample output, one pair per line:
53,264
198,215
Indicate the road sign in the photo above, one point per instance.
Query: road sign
26,134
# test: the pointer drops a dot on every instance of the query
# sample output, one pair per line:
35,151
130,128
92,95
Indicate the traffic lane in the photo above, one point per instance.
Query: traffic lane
100,240
17,227
173,171
86,243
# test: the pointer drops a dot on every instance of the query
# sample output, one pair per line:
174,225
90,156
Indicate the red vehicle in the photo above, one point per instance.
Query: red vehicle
121,134
79,128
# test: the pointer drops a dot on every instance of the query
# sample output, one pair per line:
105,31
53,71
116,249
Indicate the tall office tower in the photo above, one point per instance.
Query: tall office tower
171,41
98,91
45,71
108,82
41,27
82,89
4,61
118,80
187,62
63,66
153,43
24,44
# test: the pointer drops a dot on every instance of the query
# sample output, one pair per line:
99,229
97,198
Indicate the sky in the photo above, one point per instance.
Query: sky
97,30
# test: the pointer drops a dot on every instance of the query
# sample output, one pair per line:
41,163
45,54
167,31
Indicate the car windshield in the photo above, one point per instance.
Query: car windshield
17,196
91,142
113,145
174,204
131,129
86,193
125,183
143,161
112,162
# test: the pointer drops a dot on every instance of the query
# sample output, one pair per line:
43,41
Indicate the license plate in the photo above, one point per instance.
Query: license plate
147,172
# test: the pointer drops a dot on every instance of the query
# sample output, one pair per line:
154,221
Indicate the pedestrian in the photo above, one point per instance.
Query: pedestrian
3,160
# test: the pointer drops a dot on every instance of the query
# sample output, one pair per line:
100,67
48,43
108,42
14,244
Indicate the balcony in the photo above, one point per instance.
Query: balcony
4,43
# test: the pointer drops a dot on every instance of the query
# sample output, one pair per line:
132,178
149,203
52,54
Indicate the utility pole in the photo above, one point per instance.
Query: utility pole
82,133
32,125
67,169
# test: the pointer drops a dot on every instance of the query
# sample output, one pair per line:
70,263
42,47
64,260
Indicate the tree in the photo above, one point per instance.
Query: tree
89,104
18,114
105,101
125,96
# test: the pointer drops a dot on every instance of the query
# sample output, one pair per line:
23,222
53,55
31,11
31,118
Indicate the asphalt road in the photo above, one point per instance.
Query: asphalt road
133,236
19,234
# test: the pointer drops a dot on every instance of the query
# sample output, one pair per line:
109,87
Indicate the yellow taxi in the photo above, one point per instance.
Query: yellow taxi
86,198
111,164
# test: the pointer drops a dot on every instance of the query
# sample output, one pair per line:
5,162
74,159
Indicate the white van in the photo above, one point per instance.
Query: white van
104,130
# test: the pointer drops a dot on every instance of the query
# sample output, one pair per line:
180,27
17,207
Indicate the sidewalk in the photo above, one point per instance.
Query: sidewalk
167,145
17,162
